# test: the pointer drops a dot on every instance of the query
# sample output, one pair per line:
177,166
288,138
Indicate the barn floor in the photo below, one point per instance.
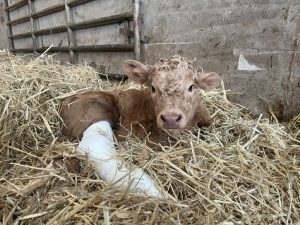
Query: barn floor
238,171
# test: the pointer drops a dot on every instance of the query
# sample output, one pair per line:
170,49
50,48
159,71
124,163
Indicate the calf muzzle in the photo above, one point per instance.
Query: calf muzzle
171,120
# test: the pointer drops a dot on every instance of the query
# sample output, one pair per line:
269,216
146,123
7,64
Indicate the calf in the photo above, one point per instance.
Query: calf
170,101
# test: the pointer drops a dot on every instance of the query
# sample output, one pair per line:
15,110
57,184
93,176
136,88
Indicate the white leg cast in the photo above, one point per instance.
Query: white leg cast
97,143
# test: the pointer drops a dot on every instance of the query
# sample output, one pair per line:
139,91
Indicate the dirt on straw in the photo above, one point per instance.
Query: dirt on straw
238,171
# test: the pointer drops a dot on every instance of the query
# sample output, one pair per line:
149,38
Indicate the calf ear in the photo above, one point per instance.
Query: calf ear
208,81
137,71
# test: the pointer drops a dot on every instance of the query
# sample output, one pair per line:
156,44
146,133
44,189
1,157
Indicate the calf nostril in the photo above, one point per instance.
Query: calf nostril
163,118
178,118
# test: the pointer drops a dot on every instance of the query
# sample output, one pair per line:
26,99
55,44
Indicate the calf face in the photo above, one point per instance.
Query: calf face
173,83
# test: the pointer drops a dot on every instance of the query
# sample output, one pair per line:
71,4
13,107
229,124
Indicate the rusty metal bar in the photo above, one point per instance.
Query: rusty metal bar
137,44
102,21
8,26
21,35
51,30
32,23
40,50
104,48
49,10
16,5
71,38
77,2
19,20
91,48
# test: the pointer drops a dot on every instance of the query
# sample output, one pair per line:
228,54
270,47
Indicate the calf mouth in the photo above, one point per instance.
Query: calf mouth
172,127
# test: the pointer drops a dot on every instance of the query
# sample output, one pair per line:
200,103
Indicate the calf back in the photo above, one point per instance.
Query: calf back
81,110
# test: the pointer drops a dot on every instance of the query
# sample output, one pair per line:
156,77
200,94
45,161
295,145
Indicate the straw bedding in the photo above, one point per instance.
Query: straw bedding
238,171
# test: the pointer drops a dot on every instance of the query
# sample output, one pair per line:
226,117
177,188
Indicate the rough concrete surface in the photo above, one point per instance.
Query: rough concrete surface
3,28
233,38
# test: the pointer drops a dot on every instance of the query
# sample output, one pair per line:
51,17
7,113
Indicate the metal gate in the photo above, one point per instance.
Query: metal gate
31,27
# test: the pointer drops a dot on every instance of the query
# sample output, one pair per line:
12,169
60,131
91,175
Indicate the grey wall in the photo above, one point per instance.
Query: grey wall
224,36
3,36
253,44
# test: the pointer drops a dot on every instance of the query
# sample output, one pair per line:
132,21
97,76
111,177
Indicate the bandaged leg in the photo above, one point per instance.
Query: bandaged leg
97,143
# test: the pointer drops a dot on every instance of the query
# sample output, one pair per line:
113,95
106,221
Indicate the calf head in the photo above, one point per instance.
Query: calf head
173,83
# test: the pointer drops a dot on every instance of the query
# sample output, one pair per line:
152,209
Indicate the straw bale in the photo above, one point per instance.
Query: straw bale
238,171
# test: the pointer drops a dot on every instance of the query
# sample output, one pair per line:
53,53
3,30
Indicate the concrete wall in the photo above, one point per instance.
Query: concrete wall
3,29
253,44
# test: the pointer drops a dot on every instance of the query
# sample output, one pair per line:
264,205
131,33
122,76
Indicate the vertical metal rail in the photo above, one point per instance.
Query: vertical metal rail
137,44
71,38
8,25
33,25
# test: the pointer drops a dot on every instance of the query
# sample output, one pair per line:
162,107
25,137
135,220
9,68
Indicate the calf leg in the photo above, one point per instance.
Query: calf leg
81,110
97,144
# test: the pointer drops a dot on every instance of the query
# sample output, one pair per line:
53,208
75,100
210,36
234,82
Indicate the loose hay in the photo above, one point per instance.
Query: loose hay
238,171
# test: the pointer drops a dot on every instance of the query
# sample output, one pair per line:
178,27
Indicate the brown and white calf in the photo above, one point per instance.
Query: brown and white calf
170,101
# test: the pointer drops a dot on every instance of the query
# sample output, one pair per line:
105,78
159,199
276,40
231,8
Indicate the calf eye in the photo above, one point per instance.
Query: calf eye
191,88
152,89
